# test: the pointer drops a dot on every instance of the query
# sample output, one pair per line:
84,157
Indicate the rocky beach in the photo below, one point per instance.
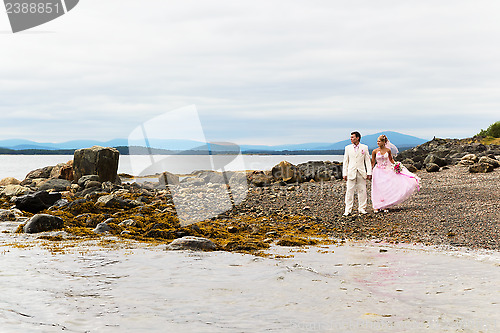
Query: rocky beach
458,203
83,249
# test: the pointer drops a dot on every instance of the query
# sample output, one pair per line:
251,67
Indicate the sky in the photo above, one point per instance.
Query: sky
257,72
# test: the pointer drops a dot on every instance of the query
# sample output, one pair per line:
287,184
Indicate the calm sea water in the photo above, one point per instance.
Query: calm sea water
132,287
18,166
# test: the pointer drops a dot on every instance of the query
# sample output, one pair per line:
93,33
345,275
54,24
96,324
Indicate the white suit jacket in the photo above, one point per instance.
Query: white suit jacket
356,161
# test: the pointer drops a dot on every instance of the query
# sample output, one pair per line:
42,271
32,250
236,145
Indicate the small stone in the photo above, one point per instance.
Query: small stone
432,167
128,223
7,215
101,228
192,243
481,168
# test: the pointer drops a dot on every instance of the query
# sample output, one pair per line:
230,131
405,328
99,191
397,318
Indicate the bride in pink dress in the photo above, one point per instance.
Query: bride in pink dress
389,187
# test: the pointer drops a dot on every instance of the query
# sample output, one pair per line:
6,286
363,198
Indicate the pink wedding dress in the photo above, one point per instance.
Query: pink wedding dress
388,187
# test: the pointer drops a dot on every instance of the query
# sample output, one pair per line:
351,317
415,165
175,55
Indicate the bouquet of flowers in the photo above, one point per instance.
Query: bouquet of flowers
398,167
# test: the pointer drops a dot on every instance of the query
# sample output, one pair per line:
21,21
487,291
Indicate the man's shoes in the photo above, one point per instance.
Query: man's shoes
363,212
346,214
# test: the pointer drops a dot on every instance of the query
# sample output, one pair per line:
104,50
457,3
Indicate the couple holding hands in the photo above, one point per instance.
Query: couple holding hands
392,183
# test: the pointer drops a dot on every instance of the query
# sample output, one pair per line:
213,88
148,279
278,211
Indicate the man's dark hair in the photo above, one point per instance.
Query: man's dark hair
358,135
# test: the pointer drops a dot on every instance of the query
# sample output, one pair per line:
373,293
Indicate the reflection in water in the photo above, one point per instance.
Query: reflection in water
138,288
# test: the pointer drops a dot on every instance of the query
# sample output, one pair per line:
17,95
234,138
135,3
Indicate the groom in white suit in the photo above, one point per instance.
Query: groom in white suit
356,169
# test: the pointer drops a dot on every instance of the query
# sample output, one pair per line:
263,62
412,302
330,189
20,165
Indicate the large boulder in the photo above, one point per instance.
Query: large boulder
286,172
43,222
36,202
97,160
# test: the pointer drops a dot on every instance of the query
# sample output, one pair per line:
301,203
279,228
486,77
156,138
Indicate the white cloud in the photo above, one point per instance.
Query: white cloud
258,72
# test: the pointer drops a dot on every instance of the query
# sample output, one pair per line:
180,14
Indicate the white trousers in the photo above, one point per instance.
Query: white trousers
356,185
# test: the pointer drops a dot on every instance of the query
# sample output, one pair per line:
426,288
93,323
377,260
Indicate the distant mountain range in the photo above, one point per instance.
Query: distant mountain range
402,141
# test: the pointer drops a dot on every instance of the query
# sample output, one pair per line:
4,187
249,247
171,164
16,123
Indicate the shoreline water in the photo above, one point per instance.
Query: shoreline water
104,286
18,166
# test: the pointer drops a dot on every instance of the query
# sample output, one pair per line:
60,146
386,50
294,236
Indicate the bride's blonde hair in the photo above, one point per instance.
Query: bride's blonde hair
383,138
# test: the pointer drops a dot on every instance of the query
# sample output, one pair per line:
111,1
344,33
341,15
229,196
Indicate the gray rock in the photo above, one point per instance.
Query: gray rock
58,185
320,170
40,173
7,215
60,203
411,167
433,159
112,201
37,202
110,187
102,228
466,162
432,167
43,222
128,223
87,178
192,243
469,157
488,160
14,190
9,181
481,168
93,183
408,161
